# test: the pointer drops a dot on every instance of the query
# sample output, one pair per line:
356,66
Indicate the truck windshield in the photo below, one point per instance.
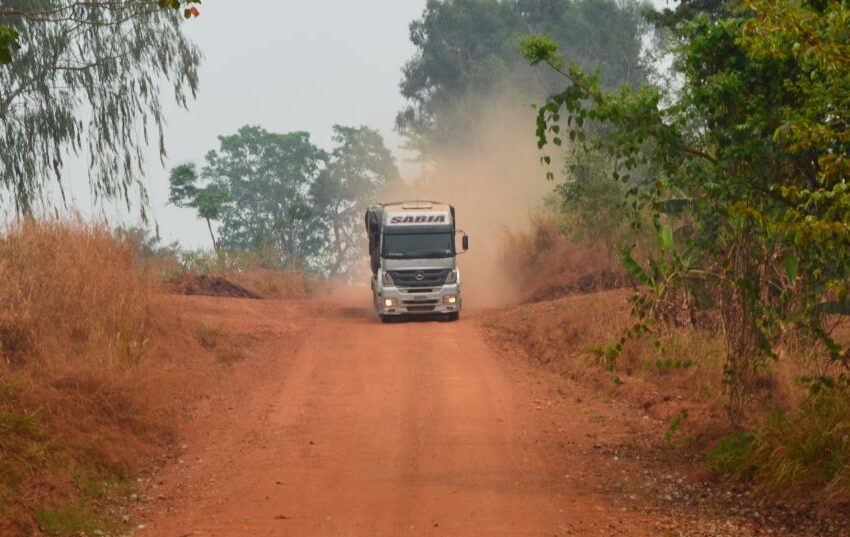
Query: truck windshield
418,245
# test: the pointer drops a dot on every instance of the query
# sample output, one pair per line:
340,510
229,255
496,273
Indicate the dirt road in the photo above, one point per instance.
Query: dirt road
365,429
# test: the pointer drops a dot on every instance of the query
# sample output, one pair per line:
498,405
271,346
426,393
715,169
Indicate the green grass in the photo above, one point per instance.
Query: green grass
801,454
28,452
733,455
72,520
96,485
22,446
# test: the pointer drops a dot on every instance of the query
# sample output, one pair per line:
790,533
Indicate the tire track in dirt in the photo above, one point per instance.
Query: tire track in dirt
370,429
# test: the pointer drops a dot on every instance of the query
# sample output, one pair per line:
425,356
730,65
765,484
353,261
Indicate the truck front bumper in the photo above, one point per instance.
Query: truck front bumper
408,301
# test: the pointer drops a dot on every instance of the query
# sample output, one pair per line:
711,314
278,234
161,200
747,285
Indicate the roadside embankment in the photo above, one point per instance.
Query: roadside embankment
672,421
98,370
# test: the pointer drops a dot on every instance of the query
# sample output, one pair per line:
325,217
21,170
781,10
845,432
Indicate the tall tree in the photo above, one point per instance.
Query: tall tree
280,191
360,165
467,50
86,80
269,177
747,168
210,201
46,11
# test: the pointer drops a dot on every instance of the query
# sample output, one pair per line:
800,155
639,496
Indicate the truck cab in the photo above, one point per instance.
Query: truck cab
414,259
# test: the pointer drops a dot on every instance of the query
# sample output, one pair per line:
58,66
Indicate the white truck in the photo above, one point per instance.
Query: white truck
414,259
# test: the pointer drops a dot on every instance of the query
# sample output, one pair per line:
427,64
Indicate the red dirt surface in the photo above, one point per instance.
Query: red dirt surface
367,429
337,425
592,282
189,284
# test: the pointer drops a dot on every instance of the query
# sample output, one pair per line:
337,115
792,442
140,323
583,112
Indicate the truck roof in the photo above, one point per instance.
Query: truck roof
417,212
416,205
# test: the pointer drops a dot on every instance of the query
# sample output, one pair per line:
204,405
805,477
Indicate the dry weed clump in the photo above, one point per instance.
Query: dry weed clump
798,444
551,265
575,336
71,292
285,284
801,454
93,366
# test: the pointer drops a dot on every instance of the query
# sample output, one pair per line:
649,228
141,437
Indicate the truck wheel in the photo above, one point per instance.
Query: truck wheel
386,319
453,316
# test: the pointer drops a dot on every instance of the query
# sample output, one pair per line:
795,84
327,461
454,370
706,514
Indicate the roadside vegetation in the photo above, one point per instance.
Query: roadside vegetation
98,367
733,182
290,203
93,376
694,241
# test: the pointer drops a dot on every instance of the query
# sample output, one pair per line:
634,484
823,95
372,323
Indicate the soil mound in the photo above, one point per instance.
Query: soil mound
592,282
208,286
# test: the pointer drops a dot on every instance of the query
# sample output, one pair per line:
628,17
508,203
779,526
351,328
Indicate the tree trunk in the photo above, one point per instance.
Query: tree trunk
212,236
340,251
741,337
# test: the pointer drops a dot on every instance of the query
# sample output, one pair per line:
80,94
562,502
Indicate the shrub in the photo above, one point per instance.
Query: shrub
805,453
88,349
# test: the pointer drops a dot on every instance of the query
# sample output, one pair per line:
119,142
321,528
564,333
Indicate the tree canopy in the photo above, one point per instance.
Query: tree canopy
358,168
58,11
467,50
269,176
744,169
281,191
210,201
85,79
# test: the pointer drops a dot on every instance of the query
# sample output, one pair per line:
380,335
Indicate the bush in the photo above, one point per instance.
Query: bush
551,263
801,454
71,292
89,349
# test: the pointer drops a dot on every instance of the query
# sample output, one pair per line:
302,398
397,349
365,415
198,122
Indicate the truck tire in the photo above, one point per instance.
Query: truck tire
386,319
453,316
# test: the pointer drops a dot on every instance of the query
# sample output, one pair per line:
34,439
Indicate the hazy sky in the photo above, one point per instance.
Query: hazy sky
286,66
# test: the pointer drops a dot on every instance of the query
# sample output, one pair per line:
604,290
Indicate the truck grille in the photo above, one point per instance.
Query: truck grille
432,302
419,277
420,309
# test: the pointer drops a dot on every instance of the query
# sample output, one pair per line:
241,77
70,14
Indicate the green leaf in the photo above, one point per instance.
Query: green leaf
539,48
8,43
832,308
791,267
634,269
675,207
667,238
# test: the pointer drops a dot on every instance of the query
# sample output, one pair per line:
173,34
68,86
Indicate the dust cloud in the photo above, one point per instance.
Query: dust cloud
496,183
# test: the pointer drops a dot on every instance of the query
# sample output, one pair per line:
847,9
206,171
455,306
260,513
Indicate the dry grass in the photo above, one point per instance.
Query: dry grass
575,337
71,291
549,264
798,447
284,284
93,368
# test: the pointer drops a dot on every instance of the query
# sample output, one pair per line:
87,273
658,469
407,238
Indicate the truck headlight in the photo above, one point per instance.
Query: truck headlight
452,277
388,280
389,302
450,300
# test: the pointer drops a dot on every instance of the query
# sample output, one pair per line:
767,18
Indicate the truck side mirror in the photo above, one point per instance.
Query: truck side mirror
465,242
